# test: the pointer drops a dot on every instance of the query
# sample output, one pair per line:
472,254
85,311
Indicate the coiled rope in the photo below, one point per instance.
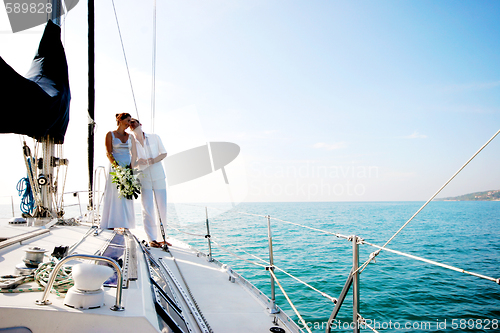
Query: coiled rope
41,275
22,290
27,200
63,281
25,191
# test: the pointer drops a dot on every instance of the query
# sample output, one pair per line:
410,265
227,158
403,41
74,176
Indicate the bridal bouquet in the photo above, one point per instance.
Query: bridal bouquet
126,181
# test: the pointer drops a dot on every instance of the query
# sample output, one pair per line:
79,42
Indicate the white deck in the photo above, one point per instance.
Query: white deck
226,306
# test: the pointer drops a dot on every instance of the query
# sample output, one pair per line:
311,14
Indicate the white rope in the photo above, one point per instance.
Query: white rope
41,275
435,263
435,194
290,302
63,281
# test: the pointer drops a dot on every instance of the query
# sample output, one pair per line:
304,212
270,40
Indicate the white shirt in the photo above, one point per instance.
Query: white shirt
152,148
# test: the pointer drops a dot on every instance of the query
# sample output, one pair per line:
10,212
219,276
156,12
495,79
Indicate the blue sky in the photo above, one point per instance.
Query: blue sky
328,100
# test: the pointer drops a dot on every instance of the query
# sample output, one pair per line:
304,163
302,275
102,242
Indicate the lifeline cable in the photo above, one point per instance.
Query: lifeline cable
435,263
217,241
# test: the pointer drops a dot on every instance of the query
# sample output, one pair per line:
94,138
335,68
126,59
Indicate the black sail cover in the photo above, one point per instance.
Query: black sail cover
38,105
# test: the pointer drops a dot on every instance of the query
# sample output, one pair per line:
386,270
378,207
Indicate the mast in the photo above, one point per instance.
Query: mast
41,100
46,180
91,101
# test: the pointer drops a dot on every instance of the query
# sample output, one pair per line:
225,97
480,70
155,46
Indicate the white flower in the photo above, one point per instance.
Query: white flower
126,181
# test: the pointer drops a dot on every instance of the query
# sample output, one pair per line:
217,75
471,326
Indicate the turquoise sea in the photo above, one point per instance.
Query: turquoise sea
397,294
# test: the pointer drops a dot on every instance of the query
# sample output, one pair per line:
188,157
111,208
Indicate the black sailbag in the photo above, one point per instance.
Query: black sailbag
38,105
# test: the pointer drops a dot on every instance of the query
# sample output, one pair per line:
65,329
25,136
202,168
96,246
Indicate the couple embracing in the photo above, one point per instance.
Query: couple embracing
129,151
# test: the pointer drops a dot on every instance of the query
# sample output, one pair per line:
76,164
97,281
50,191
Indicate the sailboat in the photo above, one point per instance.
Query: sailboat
67,276
182,290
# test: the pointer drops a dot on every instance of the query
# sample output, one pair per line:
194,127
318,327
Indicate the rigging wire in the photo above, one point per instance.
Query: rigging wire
434,262
362,241
333,299
125,57
185,232
219,243
315,229
152,93
290,302
153,70
373,255
362,321
279,220
237,256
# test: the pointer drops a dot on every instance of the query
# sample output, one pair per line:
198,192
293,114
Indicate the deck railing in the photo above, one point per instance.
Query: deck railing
353,279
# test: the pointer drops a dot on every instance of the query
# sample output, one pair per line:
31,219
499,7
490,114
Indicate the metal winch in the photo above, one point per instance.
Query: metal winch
33,257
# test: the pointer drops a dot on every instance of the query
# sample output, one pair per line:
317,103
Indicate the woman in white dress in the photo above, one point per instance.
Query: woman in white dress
118,212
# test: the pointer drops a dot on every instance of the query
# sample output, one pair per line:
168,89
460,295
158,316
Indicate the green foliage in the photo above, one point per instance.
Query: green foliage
127,182
493,195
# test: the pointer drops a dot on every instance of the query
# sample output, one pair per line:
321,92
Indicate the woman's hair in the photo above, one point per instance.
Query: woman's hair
121,116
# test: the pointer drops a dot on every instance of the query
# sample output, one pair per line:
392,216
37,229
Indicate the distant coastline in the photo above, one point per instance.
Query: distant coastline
493,195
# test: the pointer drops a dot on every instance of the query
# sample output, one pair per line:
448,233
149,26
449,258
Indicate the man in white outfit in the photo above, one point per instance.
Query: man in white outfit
150,153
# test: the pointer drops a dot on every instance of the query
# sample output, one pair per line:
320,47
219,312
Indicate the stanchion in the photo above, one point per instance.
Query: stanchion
274,308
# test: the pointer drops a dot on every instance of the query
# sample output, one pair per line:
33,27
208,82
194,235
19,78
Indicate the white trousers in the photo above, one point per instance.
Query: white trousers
153,194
